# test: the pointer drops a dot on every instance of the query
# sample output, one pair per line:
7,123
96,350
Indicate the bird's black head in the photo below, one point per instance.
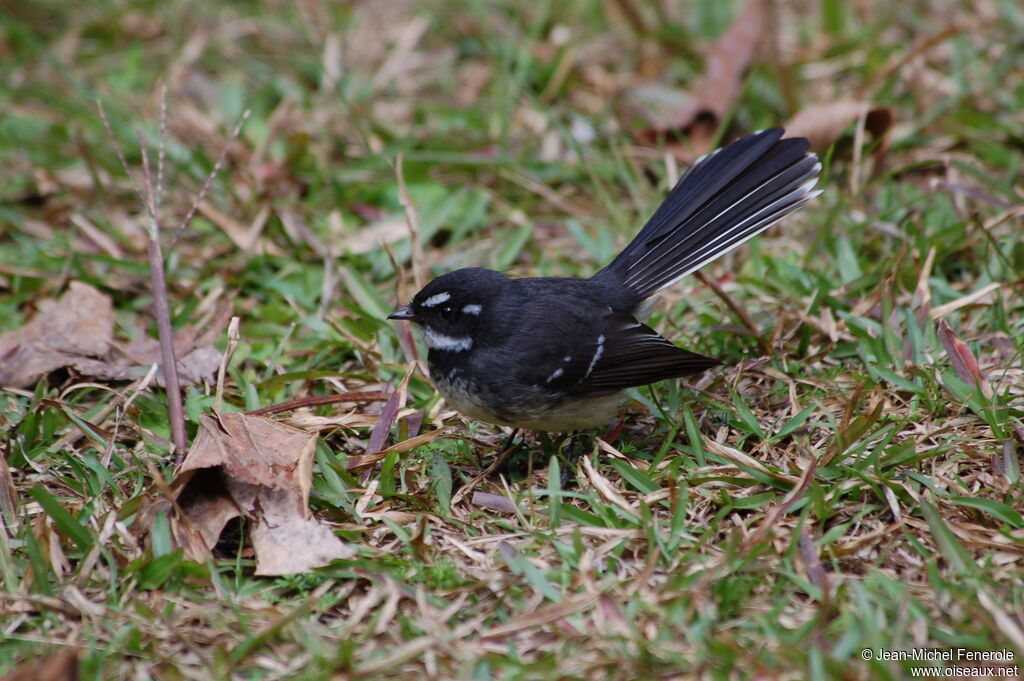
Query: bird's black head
452,309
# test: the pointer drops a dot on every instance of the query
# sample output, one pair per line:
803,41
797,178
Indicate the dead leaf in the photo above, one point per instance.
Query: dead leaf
285,541
370,237
825,123
77,331
243,465
62,666
196,364
63,332
714,95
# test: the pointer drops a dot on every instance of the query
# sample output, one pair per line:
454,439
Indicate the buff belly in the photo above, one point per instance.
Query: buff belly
531,411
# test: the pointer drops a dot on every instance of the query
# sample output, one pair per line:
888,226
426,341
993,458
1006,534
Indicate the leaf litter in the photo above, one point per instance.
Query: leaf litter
252,467
77,331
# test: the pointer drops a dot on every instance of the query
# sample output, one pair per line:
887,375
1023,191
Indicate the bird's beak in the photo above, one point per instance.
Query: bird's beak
404,312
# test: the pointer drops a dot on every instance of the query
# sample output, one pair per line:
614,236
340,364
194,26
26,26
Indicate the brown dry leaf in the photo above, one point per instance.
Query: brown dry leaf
713,96
197,361
372,236
825,123
77,331
63,333
62,666
195,364
261,469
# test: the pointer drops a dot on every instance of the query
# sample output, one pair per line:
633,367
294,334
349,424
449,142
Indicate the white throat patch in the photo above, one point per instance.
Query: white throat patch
437,299
439,341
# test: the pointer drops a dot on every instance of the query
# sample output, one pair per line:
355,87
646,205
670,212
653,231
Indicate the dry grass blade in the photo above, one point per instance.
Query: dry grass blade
745,461
606,489
942,311
737,309
233,338
541,616
364,460
318,400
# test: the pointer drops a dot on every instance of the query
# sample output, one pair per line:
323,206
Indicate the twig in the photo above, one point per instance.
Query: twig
472,484
317,401
175,408
209,179
418,259
736,308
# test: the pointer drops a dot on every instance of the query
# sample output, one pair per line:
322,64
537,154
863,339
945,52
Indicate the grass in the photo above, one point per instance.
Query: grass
838,486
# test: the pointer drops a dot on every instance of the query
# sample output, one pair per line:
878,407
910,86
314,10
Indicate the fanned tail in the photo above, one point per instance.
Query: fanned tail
724,199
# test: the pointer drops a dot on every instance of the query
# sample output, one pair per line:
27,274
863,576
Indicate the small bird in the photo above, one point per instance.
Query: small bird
557,354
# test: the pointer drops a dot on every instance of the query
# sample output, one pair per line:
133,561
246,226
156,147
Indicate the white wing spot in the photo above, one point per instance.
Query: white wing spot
436,299
473,309
439,341
567,358
597,355
555,374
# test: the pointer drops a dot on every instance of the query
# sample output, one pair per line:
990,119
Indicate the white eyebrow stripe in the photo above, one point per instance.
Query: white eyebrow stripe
555,374
597,355
439,341
436,299
472,308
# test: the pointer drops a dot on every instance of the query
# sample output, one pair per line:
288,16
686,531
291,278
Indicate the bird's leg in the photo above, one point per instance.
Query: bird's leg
500,464
504,453
576,447
615,430
508,442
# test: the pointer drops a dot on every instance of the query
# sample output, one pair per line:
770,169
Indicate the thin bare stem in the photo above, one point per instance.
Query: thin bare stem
737,309
318,401
158,284
201,196
175,410
418,259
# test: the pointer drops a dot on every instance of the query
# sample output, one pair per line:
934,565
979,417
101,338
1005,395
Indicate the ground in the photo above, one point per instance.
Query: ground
845,487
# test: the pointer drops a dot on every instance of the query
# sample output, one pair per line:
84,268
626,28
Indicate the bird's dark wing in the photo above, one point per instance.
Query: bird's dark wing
618,353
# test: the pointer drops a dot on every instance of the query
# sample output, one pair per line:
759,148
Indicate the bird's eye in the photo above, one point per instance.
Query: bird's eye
447,312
